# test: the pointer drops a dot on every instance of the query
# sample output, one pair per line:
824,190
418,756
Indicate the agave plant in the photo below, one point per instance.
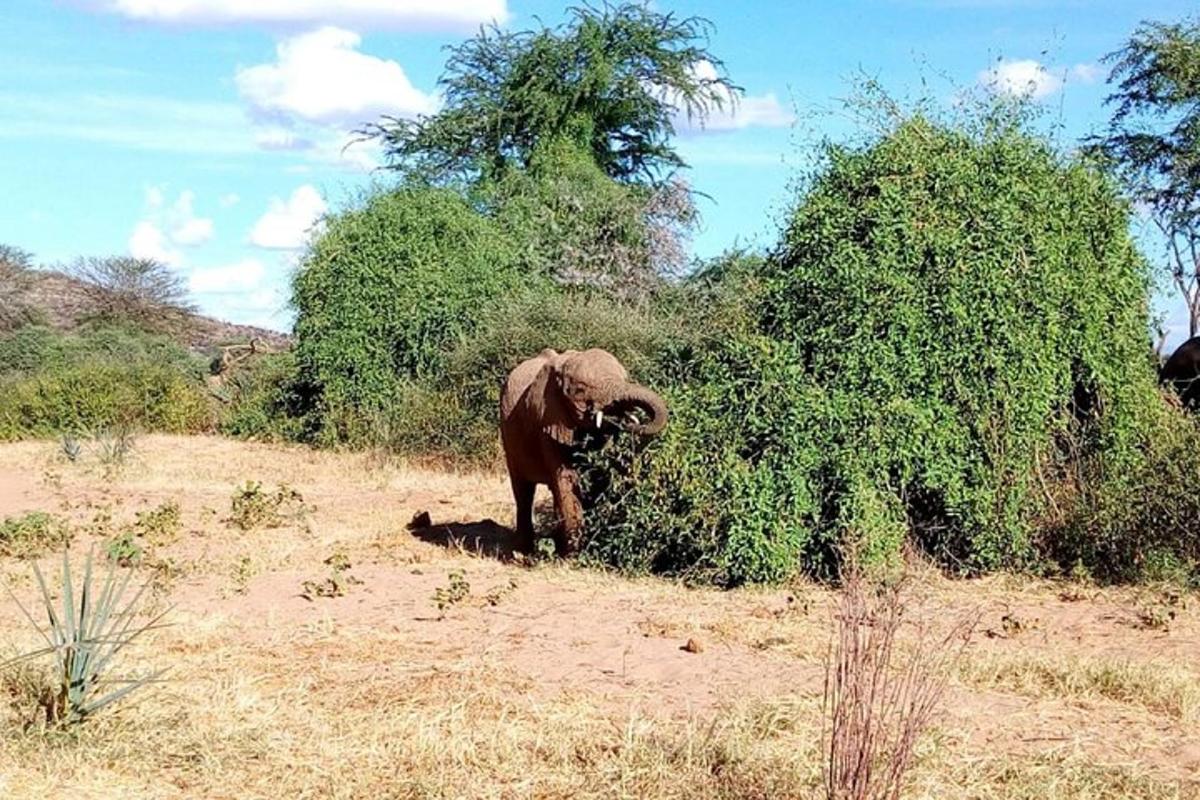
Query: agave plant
84,637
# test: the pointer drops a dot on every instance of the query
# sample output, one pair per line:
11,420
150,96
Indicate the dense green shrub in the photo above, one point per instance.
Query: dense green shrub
96,395
97,377
263,400
36,348
946,303
382,292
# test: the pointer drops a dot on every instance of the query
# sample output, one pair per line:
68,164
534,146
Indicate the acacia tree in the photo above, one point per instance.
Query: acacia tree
1153,140
611,80
140,291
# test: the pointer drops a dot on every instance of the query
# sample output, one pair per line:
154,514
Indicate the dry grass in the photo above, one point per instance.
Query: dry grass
1164,687
573,684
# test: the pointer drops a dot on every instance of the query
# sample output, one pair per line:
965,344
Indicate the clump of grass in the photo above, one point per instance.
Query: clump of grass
84,638
880,694
254,507
1162,688
32,534
114,446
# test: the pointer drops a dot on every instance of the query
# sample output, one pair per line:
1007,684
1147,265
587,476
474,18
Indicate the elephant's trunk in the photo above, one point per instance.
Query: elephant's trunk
632,396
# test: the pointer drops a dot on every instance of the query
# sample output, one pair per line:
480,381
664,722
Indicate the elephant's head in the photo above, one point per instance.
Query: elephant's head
595,391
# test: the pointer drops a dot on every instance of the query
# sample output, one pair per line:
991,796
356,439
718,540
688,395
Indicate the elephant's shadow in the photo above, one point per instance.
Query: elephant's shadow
484,537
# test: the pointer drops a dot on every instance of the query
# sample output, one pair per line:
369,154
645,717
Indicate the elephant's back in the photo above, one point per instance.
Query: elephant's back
519,381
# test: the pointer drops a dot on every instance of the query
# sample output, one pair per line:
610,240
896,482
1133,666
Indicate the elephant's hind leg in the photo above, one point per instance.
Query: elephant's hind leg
569,535
523,492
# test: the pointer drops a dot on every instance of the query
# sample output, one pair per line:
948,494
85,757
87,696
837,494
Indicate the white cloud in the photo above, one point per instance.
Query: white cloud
322,77
1024,78
164,226
185,227
363,14
1087,73
229,200
243,276
148,241
737,112
286,224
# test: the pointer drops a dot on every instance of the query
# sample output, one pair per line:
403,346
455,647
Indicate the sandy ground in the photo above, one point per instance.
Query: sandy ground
1055,673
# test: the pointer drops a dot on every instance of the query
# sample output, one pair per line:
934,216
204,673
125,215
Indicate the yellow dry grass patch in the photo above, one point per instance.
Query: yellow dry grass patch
1163,687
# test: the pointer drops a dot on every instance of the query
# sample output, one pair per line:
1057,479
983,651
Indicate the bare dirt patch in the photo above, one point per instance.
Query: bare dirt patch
432,664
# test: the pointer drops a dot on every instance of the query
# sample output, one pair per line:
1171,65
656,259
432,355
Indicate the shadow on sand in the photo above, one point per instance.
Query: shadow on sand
485,537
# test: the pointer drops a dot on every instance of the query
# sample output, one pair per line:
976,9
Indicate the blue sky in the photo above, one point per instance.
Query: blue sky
210,133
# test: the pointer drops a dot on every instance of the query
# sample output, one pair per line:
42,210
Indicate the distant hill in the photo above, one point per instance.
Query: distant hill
64,301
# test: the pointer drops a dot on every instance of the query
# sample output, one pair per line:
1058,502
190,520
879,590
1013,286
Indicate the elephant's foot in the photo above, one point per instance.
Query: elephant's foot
524,542
567,542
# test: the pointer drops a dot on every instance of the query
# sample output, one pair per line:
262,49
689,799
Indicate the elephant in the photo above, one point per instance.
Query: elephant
1182,371
553,406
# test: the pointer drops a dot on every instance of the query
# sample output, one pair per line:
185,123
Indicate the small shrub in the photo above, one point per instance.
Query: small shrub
160,525
124,549
336,584
33,534
114,446
452,594
84,639
253,507
880,696
70,447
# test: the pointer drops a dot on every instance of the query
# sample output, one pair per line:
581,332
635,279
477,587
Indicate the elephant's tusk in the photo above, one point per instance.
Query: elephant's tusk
599,418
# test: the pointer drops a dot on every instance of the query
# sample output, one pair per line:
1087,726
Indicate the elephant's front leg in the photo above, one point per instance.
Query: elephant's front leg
565,488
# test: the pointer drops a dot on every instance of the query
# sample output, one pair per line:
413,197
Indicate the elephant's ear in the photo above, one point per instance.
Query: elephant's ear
555,420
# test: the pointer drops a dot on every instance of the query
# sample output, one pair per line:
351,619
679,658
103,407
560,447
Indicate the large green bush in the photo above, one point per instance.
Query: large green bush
383,291
948,306
97,377
36,348
98,395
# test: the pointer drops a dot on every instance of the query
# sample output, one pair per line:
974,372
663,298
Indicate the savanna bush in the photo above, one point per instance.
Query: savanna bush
382,292
947,304
97,377
264,400
98,395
